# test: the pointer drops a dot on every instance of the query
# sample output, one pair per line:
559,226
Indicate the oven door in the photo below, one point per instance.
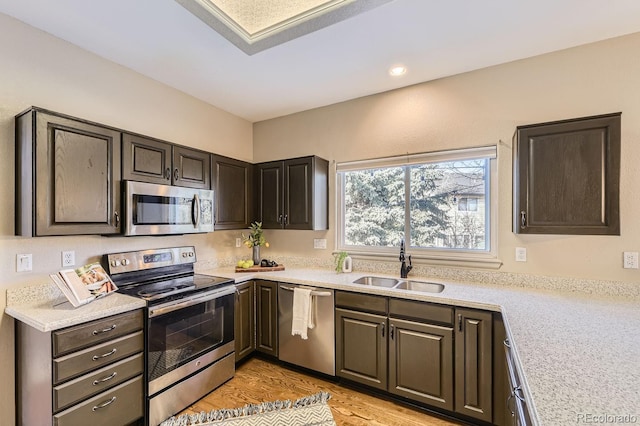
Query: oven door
152,209
187,335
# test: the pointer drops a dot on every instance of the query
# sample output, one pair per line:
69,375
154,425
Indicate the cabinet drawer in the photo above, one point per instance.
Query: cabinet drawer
80,362
118,406
361,302
88,334
97,381
400,308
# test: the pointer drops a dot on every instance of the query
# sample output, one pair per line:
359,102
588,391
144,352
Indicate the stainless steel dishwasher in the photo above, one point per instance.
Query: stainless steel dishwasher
318,351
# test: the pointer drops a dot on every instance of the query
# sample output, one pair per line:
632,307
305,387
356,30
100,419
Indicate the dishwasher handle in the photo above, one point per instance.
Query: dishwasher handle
313,291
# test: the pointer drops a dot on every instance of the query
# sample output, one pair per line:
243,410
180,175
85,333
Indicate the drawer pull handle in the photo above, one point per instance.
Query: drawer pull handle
97,357
104,330
104,404
106,379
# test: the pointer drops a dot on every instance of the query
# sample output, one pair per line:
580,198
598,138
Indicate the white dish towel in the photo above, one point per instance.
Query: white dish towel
303,312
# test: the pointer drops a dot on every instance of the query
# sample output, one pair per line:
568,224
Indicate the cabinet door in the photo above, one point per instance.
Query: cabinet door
77,176
191,168
298,193
305,193
232,183
566,177
267,317
269,195
244,320
473,364
361,347
146,160
501,388
421,362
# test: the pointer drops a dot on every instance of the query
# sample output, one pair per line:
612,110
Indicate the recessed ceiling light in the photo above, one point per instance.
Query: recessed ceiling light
397,70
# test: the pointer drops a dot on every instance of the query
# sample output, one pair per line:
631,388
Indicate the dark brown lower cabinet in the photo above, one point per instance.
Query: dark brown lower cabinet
245,329
501,386
473,363
421,362
361,347
434,354
267,317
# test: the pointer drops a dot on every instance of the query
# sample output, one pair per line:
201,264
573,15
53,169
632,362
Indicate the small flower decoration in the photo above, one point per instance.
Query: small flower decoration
255,238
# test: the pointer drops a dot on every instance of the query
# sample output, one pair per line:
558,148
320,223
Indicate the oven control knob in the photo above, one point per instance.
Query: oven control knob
125,262
190,254
115,263
184,254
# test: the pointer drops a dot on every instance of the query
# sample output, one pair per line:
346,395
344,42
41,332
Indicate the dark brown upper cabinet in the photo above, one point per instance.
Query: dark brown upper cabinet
232,181
150,160
566,177
293,193
67,176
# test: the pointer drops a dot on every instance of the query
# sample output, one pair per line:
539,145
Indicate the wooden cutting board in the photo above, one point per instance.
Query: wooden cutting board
258,268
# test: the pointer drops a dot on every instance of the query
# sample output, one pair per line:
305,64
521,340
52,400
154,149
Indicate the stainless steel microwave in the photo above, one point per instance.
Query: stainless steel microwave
151,209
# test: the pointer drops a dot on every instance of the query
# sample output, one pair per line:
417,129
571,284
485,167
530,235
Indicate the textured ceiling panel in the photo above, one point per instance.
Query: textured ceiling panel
256,25
257,16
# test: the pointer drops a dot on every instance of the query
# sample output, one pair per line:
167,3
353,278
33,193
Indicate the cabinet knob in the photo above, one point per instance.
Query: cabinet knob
116,216
382,325
167,174
176,175
523,219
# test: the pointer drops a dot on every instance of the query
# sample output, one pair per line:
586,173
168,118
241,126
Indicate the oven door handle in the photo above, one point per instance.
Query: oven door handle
189,301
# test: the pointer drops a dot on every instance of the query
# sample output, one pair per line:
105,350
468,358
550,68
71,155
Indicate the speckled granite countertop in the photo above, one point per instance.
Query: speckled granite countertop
578,354
45,308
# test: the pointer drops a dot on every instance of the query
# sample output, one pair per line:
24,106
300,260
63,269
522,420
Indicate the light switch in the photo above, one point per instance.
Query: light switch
24,262
521,254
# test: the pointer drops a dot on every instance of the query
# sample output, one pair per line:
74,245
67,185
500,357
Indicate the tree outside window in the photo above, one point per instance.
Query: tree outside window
439,205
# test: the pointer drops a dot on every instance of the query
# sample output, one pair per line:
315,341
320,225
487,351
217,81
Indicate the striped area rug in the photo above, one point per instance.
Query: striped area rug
307,411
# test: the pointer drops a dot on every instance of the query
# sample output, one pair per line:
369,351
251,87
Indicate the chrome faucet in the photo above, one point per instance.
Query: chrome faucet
404,269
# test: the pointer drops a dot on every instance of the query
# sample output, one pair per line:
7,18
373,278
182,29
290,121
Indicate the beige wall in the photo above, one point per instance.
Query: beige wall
37,69
480,108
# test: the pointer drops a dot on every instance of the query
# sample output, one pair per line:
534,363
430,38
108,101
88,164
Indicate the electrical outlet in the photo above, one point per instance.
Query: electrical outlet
521,254
319,243
630,260
24,262
238,242
68,258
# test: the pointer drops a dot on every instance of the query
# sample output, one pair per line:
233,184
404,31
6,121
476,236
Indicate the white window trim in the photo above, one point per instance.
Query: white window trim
468,258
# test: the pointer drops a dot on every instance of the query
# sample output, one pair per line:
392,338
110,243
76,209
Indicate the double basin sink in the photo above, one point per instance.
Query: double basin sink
401,284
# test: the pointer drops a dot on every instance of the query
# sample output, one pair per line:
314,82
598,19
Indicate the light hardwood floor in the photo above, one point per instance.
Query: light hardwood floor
258,381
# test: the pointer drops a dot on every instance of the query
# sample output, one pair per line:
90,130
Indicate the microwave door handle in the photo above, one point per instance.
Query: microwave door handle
195,211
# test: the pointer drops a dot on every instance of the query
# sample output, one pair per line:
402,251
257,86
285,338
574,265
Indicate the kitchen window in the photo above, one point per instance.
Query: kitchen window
442,204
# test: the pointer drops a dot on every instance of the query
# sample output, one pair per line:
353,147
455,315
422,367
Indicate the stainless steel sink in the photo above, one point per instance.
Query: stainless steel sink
423,286
377,281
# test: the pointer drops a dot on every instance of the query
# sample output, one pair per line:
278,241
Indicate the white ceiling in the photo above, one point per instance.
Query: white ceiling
350,59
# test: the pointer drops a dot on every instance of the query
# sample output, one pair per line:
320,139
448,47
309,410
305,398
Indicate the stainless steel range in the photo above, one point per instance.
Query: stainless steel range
189,326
